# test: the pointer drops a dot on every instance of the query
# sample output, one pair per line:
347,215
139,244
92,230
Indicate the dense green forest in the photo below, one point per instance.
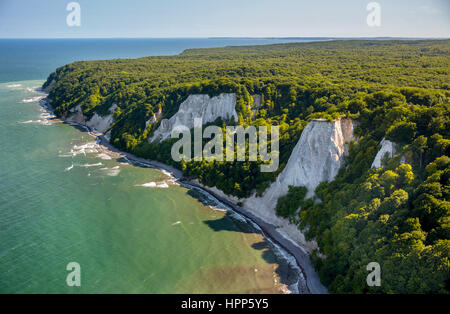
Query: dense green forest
397,215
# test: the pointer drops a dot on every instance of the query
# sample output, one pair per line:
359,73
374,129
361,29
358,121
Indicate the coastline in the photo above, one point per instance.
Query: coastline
311,282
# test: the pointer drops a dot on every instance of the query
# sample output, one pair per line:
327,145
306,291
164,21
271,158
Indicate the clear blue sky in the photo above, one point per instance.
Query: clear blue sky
234,18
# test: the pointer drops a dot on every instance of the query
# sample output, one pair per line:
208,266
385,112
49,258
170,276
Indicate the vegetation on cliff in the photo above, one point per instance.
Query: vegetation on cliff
397,215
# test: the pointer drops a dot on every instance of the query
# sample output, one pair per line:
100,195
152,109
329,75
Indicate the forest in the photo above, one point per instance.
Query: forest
397,215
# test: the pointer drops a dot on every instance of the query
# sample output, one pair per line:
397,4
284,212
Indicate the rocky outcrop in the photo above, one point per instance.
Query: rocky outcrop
151,120
257,102
316,158
198,106
49,86
97,122
75,115
155,118
387,150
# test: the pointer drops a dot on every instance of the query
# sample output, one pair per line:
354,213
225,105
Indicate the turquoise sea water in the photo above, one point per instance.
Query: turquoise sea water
63,199
132,230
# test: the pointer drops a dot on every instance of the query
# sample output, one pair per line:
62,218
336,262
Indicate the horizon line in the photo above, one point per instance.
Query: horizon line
240,37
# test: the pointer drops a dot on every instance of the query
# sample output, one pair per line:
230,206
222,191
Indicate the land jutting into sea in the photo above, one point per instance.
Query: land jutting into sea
355,116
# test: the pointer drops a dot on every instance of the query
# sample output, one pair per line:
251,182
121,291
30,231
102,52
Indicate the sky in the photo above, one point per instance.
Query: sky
224,18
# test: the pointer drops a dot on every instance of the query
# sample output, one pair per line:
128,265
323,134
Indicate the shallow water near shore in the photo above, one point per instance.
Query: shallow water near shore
132,229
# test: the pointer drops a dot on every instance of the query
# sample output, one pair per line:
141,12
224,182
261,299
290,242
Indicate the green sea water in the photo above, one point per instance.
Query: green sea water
131,229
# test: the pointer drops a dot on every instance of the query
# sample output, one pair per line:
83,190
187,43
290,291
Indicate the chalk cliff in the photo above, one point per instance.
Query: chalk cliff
387,149
316,158
198,106
257,102
49,86
97,122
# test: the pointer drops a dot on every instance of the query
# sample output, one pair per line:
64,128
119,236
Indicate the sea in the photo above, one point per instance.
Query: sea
76,218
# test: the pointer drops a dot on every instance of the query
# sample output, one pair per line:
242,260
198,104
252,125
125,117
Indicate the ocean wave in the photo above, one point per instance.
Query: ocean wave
88,148
167,173
111,172
34,89
14,85
69,168
45,118
45,115
91,165
161,185
33,99
41,122
104,156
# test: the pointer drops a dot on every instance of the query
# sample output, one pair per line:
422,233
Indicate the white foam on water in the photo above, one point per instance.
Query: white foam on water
91,165
33,99
33,89
46,115
161,185
167,173
69,168
104,156
46,119
41,122
14,85
88,148
218,209
111,172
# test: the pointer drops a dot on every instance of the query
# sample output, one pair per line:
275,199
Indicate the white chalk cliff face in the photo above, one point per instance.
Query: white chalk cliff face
50,86
97,122
316,158
257,102
198,106
387,149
